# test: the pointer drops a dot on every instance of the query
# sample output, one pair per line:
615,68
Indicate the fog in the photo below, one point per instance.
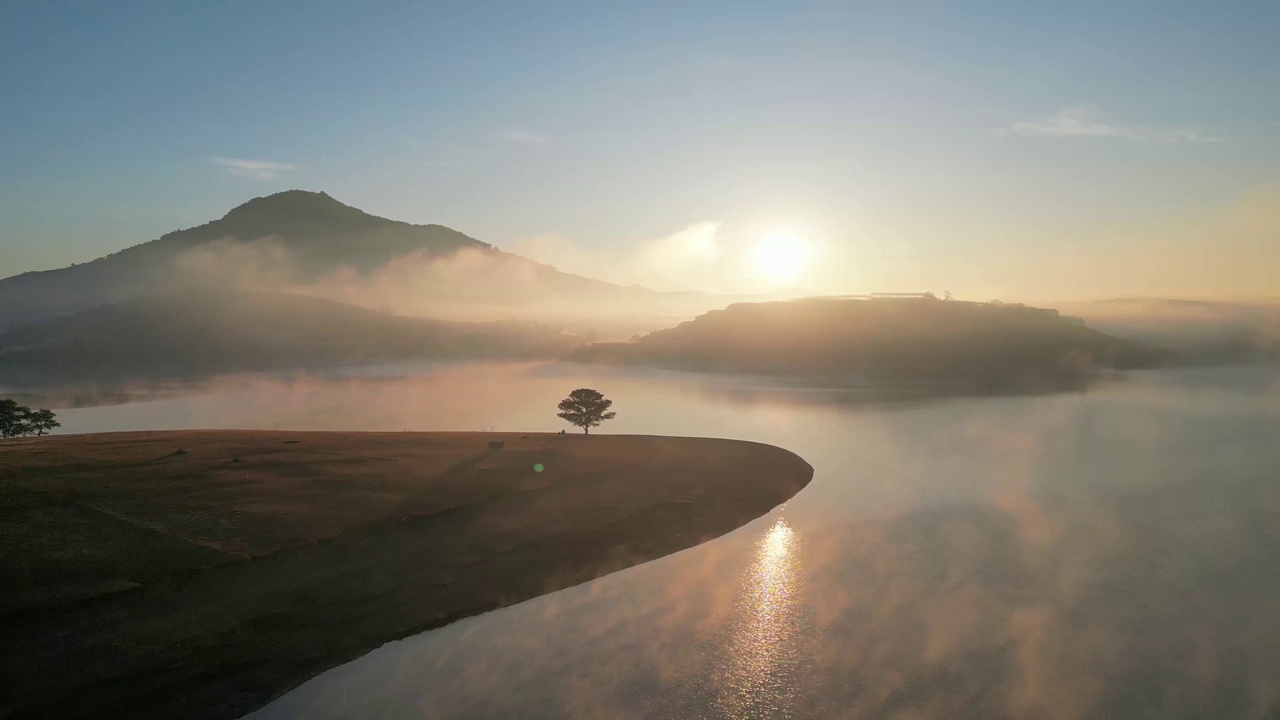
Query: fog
1108,554
1201,331
479,284
474,284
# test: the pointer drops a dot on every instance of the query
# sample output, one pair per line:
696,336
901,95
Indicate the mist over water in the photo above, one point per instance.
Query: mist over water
1109,554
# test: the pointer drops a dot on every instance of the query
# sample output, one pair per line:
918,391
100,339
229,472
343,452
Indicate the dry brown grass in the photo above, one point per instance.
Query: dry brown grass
199,574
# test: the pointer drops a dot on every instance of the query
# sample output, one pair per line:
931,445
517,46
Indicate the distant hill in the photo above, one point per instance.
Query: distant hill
911,342
288,242
209,331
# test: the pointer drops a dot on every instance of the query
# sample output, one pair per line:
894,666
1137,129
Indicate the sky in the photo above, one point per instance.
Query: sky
1013,150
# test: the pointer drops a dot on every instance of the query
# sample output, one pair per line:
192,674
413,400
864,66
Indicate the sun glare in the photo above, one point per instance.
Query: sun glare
780,257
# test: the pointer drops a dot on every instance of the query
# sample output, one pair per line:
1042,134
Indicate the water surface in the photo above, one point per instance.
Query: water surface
1111,554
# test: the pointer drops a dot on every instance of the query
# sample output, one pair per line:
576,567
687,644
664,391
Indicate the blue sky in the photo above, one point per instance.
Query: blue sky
1011,149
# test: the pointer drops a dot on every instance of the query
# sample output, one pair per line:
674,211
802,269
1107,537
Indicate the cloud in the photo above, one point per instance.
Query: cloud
684,260
688,251
440,147
413,282
1087,121
472,284
524,137
230,262
254,169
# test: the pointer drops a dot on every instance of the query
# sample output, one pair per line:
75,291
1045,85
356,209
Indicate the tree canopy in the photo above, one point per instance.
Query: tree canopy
585,408
19,420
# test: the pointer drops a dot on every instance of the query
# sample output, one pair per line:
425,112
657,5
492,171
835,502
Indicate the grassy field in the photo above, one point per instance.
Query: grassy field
200,574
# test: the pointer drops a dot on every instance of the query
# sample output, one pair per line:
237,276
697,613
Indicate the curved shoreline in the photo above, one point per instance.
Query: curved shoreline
254,560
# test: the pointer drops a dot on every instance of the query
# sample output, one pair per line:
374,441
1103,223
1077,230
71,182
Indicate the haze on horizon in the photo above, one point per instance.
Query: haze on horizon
997,150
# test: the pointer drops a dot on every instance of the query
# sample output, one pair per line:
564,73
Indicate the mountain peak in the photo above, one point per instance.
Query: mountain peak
296,204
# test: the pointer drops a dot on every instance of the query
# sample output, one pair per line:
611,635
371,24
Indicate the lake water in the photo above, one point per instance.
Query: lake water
1114,554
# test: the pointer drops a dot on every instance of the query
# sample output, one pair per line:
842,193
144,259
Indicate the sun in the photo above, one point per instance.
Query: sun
781,257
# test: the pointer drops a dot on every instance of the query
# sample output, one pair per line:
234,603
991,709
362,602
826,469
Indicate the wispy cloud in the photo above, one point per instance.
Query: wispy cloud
440,147
685,260
444,154
1088,121
525,137
255,169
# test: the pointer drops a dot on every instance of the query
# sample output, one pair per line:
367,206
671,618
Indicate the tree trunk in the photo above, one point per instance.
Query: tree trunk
586,430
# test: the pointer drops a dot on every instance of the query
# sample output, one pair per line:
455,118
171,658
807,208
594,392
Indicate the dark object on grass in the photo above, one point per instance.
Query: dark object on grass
495,444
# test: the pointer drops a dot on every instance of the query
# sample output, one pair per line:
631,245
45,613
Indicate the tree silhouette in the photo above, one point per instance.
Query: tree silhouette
11,415
42,421
18,420
585,408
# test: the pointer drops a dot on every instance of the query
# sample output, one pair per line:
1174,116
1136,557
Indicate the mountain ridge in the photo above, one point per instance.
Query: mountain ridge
318,234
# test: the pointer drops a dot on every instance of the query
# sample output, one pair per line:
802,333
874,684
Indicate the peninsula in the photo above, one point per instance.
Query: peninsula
201,574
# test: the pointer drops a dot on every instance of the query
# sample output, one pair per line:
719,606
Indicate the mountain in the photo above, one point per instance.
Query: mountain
916,342
301,241
204,331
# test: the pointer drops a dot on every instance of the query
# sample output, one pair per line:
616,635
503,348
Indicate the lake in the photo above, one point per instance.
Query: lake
1111,554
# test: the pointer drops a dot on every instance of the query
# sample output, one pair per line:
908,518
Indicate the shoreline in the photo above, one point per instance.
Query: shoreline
209,582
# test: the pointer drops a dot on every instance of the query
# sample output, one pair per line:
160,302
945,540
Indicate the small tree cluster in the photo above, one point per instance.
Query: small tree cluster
19,420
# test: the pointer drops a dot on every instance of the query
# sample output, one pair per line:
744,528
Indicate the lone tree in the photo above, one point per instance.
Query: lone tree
18,420
585,408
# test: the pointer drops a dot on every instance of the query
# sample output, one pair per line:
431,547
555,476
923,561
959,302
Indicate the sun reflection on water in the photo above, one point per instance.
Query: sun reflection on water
762,650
